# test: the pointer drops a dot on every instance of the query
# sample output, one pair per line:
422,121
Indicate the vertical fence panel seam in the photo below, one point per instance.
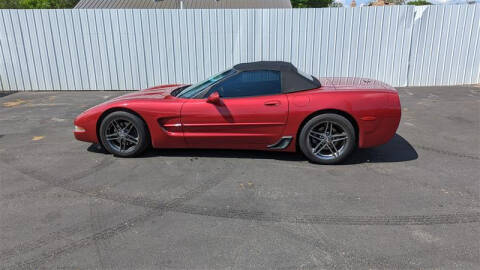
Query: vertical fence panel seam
409,59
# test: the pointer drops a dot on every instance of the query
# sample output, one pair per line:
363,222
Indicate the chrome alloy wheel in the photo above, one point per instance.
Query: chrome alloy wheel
327,140
122,135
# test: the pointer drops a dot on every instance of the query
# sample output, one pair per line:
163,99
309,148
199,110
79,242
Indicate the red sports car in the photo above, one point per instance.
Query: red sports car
259,105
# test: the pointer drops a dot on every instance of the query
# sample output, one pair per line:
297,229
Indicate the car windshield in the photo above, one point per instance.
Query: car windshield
194,89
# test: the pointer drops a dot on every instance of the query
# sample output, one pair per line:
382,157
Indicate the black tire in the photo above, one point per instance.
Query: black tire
124,146
327,141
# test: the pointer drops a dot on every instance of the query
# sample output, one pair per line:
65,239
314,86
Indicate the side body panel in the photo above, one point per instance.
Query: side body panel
237,123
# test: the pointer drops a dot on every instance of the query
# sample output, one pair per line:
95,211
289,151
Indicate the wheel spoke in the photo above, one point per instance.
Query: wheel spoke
116,125
316,136
343,134
131,139
334,148
326,129
128,127
316,132
339,137
112,137
331,151
337,140
317,148
120,144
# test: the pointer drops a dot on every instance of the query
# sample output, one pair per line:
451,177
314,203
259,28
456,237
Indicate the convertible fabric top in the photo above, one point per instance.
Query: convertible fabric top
292,80
266,65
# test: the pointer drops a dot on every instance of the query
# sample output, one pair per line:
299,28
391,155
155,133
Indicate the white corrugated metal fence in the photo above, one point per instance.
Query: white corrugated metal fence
134,49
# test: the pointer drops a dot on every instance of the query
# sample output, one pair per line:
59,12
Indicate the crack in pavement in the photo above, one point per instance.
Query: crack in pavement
330,219
448,153
44,240
48,184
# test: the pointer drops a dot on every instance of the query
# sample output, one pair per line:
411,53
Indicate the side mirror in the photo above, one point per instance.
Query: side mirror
214,98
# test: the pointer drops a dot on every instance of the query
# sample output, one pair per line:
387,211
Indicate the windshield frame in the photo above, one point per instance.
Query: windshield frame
200,88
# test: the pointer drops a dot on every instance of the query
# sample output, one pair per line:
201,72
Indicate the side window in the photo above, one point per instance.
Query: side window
250,84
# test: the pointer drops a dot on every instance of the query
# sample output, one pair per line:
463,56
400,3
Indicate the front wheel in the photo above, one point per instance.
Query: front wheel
124,134
327,139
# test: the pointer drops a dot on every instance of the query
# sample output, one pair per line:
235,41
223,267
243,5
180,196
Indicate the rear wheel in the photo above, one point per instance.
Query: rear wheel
327,139
124,134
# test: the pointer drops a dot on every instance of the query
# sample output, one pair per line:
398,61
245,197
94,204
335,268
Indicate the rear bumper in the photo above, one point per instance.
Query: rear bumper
381,130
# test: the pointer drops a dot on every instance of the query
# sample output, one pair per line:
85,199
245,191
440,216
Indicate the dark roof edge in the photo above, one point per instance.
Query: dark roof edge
269,65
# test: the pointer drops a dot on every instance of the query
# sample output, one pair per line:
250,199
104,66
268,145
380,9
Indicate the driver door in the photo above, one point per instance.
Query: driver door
251,113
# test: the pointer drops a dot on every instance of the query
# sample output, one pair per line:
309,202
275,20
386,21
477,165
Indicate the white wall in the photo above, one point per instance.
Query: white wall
135,49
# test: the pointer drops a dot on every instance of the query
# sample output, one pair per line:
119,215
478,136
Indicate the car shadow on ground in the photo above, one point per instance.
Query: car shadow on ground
396,150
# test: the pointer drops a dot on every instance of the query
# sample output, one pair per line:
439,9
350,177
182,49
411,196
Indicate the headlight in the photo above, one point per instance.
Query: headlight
79,129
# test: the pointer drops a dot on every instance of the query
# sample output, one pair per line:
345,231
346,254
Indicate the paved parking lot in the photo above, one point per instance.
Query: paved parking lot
411,204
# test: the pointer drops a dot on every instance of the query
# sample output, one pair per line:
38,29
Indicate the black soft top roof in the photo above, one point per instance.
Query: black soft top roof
292,80
266,65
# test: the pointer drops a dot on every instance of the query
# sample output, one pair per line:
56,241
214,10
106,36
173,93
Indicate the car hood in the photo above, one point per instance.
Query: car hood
346,83
157,92
161,92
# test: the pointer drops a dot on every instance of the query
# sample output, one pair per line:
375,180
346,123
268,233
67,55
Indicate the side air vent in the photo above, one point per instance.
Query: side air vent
283,143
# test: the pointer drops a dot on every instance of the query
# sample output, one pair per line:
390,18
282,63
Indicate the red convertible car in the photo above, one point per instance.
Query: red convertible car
259,105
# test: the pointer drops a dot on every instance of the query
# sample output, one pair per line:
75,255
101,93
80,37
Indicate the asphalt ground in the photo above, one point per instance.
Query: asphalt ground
412,203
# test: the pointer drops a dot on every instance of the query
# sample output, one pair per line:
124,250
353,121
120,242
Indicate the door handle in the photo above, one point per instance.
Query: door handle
272,103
